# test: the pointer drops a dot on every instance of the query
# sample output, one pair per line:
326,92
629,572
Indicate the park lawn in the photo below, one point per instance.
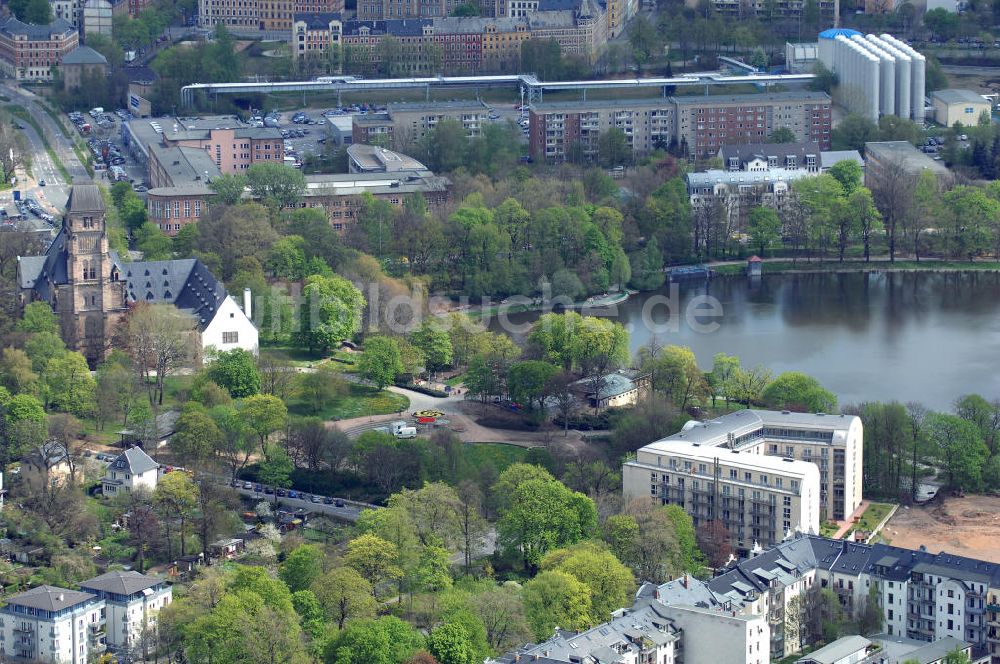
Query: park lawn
357,401
497,454
455,381
298,356
874,515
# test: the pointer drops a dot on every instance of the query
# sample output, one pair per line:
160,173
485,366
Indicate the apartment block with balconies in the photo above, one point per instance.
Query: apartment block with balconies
49,624
132,602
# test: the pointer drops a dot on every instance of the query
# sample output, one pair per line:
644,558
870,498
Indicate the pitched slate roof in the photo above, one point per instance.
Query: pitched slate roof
50,598
121,583
187,284
134,461
85,198
317,21
84,55
12,26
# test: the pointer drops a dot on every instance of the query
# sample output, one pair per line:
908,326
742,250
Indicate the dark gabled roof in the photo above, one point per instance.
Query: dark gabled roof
50,598
400,27
12,26
84,55
187,284
134,461
140,74
317,21
764,150
121,583
85,198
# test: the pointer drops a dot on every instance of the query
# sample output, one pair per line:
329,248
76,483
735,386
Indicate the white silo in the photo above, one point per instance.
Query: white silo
903,68
827,45
887,75
918,72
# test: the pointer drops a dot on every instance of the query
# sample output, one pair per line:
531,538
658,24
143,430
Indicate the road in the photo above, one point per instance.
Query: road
349,512
56,191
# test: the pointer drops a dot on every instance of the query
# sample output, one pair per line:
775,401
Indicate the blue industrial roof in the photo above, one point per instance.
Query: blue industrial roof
833,33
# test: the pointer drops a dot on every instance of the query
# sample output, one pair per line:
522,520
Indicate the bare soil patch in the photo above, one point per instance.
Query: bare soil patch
968,526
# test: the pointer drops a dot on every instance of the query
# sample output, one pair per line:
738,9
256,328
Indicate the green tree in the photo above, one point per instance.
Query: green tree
611,584
674,372
276,182
450,644
764,228
544,515
373,558
848,173
528,381
648,271
196,435
302,567
782,135
958,444
613,148
556,599
68,385
794,390
435,345
331,311
263,414
236,370
380,362
176,495
853,132
38,317
276,467
345,595
387,640
35,12
690,556
229,187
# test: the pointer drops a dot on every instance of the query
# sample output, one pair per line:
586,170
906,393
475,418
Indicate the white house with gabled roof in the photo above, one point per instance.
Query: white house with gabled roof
131,470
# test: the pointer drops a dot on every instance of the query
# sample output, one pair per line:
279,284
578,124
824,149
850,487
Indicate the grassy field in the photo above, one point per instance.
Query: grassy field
828,529
500,455
774,267
873,516
357,401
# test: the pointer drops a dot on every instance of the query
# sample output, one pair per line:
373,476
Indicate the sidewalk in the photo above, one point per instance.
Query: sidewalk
848,523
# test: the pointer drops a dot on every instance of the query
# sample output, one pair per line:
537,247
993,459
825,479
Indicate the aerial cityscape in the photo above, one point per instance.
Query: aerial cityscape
499,331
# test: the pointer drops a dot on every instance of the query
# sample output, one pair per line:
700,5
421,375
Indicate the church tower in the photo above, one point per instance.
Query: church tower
93,299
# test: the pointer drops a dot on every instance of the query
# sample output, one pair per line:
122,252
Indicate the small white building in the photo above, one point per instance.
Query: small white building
230,327
132,470
845,650
132,600
49,624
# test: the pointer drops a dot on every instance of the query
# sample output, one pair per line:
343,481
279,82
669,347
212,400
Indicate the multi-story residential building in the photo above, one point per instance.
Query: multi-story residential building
70,11
30,52
620,12
706,123
313,34
403,124
132,470
340,194
750,8
756,175
758,498
699,125
570,130
81,65
49,624
131,601
652,632
268,16
831,443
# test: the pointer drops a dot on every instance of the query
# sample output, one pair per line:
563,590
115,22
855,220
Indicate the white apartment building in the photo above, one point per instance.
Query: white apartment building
832,443
49,624
759,498
132,600
132,470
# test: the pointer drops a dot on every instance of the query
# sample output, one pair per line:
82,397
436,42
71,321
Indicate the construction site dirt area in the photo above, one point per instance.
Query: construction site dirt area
968,526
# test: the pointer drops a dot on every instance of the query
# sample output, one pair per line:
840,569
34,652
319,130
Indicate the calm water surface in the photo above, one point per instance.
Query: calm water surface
920,336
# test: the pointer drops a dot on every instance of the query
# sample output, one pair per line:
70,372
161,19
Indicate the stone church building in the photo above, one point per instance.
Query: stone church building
91,288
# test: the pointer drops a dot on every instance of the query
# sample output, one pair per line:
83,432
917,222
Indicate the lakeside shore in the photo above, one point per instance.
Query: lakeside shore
784,266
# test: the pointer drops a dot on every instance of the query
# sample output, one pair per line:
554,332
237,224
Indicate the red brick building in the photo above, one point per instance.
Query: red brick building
29,52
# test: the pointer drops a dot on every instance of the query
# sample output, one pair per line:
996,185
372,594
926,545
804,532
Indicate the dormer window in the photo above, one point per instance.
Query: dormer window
88,222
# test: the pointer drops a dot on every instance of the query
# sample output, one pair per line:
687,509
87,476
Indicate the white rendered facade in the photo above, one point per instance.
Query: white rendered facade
49,624
230,328
132,602
132,470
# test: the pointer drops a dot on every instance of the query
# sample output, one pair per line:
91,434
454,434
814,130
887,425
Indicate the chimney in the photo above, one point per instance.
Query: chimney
247,303
685,580
61,597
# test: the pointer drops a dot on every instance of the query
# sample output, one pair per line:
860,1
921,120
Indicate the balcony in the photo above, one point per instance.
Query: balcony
97,629
24,629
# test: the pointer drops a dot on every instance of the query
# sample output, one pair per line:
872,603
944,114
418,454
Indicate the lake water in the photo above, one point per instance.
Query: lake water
921,336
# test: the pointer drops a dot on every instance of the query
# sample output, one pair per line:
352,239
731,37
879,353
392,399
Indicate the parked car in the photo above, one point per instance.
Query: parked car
338,503
258,488
316,499
293,494
328,501
41,183
281,493
248,485
269,491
